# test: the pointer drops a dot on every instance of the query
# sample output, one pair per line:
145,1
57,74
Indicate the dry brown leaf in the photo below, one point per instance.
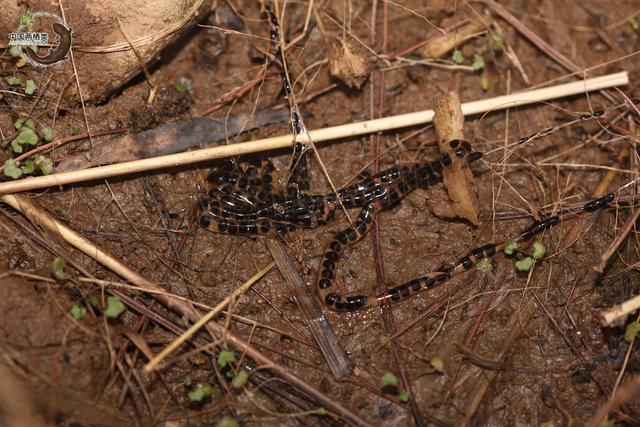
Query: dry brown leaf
458,179
350,63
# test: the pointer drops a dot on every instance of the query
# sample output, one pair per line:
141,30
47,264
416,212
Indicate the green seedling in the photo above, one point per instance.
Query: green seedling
47,134
524,264
437,364
30,123
200,392
26,19
388,380
180,87
457,57
26,136
27,168
539,250
57,269
484,265
44,164
11,170
404,397
496,43
115,307
240,380
510,247
78,312
320,411
226,358
478,62
30,87
13,81
631,331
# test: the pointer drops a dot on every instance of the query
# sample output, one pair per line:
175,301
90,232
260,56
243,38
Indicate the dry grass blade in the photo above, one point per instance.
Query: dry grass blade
153,363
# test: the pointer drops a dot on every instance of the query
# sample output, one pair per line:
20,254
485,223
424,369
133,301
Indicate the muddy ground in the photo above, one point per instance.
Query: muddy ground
516,348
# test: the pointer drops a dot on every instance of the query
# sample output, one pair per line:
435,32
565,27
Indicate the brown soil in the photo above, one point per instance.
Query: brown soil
539,352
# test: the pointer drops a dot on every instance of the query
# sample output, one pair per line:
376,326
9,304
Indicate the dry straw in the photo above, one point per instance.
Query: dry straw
319,135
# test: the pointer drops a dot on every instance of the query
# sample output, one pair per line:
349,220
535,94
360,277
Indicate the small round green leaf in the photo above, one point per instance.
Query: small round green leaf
631,331
496,43
45,164
539,250
240,379
27,168
78,312
457,57
437,364
57,269
26,136
200,392
16,146
225,358
180,87
11,170
30,123
13,81
26,19
388,380
510,247
30,88
404,397
47,134
524,264
478,62
484,265
320,411
115,307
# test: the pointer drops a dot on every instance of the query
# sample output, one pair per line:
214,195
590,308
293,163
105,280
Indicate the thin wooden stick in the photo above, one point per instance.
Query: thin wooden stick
153,363
319,135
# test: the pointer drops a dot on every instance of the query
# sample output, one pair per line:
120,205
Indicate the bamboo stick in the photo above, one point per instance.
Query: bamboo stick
319,135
